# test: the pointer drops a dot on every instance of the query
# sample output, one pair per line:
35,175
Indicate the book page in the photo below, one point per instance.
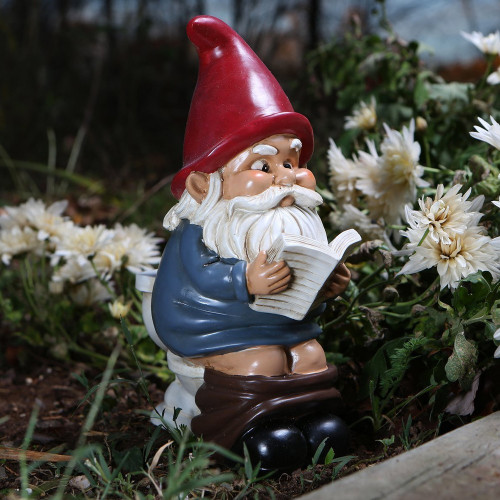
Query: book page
311,263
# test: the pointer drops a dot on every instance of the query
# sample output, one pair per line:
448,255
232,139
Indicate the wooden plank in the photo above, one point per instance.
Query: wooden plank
18,454
464,463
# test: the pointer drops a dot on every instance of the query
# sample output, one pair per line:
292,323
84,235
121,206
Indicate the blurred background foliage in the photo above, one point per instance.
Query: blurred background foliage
103,87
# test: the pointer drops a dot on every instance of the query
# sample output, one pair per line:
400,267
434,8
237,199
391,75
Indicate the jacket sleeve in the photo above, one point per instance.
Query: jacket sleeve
210,275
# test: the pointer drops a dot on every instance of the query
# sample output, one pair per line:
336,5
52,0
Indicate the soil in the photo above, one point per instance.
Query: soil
62,409
56,389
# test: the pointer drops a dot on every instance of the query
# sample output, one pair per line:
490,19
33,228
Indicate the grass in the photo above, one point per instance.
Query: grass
169,465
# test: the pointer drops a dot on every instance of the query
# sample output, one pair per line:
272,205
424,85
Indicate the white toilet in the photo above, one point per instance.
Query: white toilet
188,377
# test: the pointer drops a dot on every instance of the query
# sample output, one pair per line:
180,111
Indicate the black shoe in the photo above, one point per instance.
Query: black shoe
278,446
318,427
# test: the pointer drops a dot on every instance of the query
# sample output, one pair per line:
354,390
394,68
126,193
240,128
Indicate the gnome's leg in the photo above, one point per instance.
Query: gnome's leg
307,357
235,408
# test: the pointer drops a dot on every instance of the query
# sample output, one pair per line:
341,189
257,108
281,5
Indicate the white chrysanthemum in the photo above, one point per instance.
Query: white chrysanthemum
47,220
468,253
132,245
34,213
369,181
489,44
445,214
352,217
15,241
343,175
390,180
399,160
90,292
364,116
11,217
489,134
82,242
73,271
494,78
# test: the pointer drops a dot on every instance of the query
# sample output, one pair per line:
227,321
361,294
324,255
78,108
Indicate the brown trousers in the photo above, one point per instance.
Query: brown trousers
230,404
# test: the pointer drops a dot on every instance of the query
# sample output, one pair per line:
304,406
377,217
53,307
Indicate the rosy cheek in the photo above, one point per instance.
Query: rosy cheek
305,178
246,183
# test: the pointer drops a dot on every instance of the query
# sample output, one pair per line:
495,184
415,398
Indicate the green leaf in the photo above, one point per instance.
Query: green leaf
329,456
461,364
469,297
378,365
495,312
446,92
126,331
318,451
131,460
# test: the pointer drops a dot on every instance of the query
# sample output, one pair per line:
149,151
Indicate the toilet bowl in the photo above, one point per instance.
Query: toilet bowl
180,394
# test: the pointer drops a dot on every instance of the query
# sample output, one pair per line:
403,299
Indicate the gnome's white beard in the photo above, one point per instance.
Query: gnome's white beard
243,226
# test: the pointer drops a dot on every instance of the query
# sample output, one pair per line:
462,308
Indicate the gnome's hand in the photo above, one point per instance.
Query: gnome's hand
265,278
337,282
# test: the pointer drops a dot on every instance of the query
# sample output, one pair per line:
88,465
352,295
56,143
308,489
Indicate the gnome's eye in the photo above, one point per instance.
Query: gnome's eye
287,164
260,165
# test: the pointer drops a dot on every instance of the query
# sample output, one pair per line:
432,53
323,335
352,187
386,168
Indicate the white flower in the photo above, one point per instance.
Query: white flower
82,242
400,155
494,78
11,217
468,253
118,309
47,220
489,44
364,116
142,247
74,271
130,245
343,175
390,181
15,241
489,134
451,213
352,217
89,292
496,203
34,213
368,171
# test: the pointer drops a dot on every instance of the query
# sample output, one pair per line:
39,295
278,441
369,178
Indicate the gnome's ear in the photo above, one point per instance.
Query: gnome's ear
197,185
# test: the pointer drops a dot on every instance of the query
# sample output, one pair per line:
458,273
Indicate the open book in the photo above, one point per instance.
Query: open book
311,263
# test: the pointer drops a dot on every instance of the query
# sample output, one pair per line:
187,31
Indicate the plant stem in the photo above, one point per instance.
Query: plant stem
355,299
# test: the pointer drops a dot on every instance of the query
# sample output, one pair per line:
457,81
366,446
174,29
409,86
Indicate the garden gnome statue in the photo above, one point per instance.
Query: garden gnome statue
244,376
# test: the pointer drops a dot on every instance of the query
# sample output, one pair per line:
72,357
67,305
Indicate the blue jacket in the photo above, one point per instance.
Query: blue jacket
200,303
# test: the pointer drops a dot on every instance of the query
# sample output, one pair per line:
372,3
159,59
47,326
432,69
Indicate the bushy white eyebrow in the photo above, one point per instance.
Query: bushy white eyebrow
264,149
296,144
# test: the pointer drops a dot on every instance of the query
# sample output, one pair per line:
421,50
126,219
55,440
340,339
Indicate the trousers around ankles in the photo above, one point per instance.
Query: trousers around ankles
230,404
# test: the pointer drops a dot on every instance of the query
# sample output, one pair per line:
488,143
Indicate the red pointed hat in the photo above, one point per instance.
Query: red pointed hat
237,102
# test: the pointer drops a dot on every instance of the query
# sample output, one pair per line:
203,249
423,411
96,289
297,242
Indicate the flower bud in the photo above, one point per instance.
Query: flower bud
421,124
118,309
390,294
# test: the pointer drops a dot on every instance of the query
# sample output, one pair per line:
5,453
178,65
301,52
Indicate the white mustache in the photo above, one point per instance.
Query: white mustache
271,197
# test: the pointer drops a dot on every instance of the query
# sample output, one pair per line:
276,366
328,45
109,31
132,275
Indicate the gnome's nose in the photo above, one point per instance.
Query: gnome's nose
284,177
